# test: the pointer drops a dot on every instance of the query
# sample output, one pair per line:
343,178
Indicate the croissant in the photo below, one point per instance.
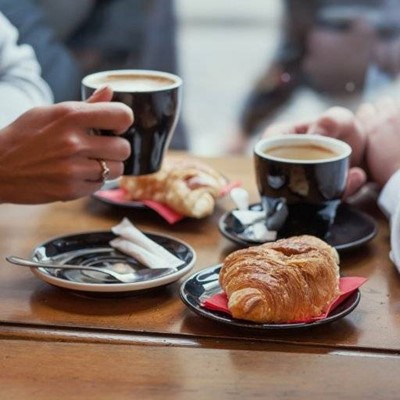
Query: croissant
188,187
284,281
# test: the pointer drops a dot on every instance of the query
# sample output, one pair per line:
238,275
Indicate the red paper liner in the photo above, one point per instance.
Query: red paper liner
119,196
347,286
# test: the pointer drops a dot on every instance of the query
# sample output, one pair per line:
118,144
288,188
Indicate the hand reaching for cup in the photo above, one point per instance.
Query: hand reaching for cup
373,132
339,123
48,153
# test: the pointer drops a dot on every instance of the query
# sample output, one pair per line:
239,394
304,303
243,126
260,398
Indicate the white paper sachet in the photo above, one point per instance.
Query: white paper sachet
248,217
262,234
126,230
254,223
138,253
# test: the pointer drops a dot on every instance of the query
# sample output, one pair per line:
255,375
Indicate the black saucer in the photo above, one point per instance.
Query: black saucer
352,228
93,249
205,283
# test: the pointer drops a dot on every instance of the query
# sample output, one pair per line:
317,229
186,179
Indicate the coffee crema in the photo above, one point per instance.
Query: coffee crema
301,152
132,83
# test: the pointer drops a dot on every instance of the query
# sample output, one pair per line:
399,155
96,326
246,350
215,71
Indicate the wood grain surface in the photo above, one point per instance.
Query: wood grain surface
27,302
50,370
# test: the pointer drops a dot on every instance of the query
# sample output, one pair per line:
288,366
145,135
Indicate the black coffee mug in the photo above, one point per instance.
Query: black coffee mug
155,99
301,180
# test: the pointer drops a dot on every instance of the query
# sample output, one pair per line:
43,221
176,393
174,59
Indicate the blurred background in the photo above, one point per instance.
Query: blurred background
245,65
222,47
248,64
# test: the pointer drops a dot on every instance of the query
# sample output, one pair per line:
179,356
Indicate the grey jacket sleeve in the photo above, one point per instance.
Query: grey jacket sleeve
21,86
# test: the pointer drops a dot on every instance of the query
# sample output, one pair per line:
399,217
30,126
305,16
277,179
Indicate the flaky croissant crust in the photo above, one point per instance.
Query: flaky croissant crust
285,281
188,187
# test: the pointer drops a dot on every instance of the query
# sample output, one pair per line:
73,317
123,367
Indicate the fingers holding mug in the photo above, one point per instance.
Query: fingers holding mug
103,93
155,98
103,170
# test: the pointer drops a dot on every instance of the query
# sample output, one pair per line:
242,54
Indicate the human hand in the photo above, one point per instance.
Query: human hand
48,153
336,122
341,124
103,93
381,123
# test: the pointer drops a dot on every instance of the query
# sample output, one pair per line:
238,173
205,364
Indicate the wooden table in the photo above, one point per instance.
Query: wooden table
152,345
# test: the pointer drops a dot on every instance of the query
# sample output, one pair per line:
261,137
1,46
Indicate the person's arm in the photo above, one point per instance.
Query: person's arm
21,86
58,67
284,74
279,80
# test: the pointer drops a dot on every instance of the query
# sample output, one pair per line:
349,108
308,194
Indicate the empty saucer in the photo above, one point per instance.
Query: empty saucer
352,228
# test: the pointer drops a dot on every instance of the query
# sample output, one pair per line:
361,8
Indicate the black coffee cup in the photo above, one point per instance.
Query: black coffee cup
155,99
301,180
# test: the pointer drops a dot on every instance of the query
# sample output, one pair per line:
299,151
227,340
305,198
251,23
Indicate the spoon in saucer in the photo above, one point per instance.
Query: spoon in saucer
140,275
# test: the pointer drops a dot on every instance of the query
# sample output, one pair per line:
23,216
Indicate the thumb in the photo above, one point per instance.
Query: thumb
333,122
355,180
102,94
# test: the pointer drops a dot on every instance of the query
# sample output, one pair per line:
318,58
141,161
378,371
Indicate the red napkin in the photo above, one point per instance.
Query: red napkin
118,196
166,212
115,195
347,286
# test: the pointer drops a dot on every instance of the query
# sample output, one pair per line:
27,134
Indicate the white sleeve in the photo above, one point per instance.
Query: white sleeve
389,203
21,86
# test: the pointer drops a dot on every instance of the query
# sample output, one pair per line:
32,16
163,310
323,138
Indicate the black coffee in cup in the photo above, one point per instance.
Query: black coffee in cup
301,179
155,99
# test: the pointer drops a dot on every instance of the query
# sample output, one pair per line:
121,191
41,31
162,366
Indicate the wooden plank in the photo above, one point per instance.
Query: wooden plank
40,370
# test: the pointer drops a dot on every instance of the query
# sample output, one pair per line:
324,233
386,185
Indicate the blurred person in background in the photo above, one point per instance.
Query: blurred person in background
73,38
332,52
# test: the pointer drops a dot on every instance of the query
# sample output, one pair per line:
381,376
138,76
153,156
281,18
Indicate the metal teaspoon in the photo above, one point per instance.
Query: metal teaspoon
129,277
